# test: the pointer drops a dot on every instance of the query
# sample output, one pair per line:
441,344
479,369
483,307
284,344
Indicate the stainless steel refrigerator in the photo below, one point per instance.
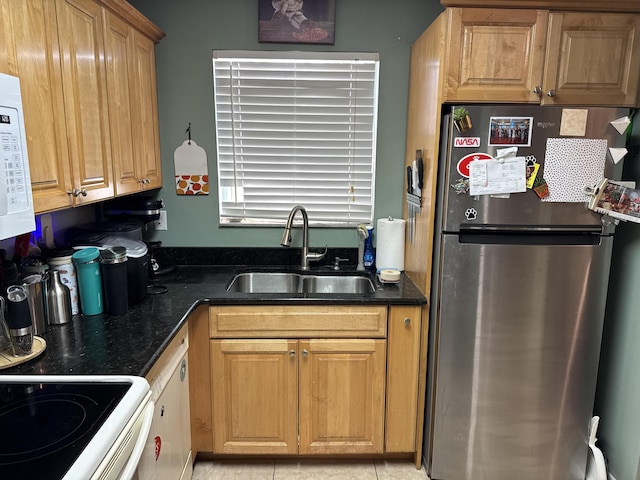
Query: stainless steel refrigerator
518,297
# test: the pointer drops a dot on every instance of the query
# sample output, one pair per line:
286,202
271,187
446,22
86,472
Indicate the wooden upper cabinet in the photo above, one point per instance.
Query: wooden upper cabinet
133,111
29,49
495,55
66,54
621,6
80,30
592,59
145,108
119,65
533,56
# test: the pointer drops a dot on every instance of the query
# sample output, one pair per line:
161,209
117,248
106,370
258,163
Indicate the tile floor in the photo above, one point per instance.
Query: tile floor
293,469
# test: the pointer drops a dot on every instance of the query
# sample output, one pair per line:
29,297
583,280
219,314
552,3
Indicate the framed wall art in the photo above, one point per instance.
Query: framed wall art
297,21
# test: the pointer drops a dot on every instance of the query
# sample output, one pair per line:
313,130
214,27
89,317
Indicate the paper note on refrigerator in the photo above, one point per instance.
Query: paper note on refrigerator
570,164
493,177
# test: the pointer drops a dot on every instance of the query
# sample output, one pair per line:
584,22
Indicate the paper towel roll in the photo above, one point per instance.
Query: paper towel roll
390,244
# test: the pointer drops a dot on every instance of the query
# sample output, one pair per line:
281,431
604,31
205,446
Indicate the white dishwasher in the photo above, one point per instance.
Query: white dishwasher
167,452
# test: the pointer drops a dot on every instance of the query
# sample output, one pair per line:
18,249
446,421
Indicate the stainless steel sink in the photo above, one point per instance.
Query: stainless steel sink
336,284
265,282
287,282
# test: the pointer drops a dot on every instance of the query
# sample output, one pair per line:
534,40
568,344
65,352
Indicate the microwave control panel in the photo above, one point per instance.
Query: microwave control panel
14,194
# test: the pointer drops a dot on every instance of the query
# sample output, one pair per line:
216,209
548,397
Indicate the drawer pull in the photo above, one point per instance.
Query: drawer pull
407,321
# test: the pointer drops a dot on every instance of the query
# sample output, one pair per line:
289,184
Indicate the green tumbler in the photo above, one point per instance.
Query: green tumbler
87,263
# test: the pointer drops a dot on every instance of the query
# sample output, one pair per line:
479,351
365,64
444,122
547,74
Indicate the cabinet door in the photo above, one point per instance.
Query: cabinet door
80,30
144,104
592,59
133,112
120,79
342,385
403,361
494,55
29,49
255,396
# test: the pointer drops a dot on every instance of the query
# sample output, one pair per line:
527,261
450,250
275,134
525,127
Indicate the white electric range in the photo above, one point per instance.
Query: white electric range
73,426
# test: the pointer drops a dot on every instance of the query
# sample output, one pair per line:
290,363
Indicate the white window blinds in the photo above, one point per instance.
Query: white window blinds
296,128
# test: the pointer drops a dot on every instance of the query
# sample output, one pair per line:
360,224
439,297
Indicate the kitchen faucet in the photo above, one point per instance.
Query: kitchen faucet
286,238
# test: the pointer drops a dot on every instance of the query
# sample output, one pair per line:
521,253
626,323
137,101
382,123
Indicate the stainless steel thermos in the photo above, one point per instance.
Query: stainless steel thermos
58,300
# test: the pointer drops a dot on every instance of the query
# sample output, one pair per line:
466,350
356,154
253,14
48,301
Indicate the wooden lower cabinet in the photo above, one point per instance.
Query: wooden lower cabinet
404,342
255,396
287,396
308,380
342,385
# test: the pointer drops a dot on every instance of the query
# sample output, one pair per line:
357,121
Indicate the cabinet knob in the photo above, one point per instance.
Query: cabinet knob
305,353
407,321
538,90
147,180
551,93
76,193
292,353
183,370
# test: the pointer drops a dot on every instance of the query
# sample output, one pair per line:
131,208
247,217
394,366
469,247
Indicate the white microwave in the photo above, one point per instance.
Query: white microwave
16,202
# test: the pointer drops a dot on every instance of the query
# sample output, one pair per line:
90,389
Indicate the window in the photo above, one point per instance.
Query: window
296,128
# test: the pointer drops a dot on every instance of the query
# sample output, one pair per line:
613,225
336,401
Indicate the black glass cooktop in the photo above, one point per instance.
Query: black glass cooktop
45,427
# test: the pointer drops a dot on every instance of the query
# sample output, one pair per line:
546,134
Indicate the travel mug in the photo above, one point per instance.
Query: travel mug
36,287
87,265
114,280
19,320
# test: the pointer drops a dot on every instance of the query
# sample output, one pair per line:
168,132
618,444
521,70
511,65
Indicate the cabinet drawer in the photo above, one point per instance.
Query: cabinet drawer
298,321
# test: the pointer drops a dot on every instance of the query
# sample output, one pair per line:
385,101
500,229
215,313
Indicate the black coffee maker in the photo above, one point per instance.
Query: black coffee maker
145,209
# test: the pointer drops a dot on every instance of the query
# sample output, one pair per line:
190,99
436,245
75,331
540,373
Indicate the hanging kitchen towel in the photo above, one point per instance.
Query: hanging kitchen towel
191,171
390,244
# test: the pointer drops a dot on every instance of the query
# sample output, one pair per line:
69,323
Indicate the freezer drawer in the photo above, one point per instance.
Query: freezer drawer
518,331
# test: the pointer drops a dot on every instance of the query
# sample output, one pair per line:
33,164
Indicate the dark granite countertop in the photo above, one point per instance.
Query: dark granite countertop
130,344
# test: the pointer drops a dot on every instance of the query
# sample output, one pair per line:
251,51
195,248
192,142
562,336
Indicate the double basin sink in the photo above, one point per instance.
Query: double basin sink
290,282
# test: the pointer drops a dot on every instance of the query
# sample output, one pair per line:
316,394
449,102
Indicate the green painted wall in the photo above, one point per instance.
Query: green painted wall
185,94
618,395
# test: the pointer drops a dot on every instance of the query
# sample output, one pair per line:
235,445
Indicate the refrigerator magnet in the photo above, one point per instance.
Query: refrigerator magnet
541,188
463,164
532,172
461,186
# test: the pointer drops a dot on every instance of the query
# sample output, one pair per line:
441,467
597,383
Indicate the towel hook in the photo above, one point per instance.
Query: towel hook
188,132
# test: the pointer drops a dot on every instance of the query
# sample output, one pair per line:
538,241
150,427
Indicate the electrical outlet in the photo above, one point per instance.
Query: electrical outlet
46,231
161,223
